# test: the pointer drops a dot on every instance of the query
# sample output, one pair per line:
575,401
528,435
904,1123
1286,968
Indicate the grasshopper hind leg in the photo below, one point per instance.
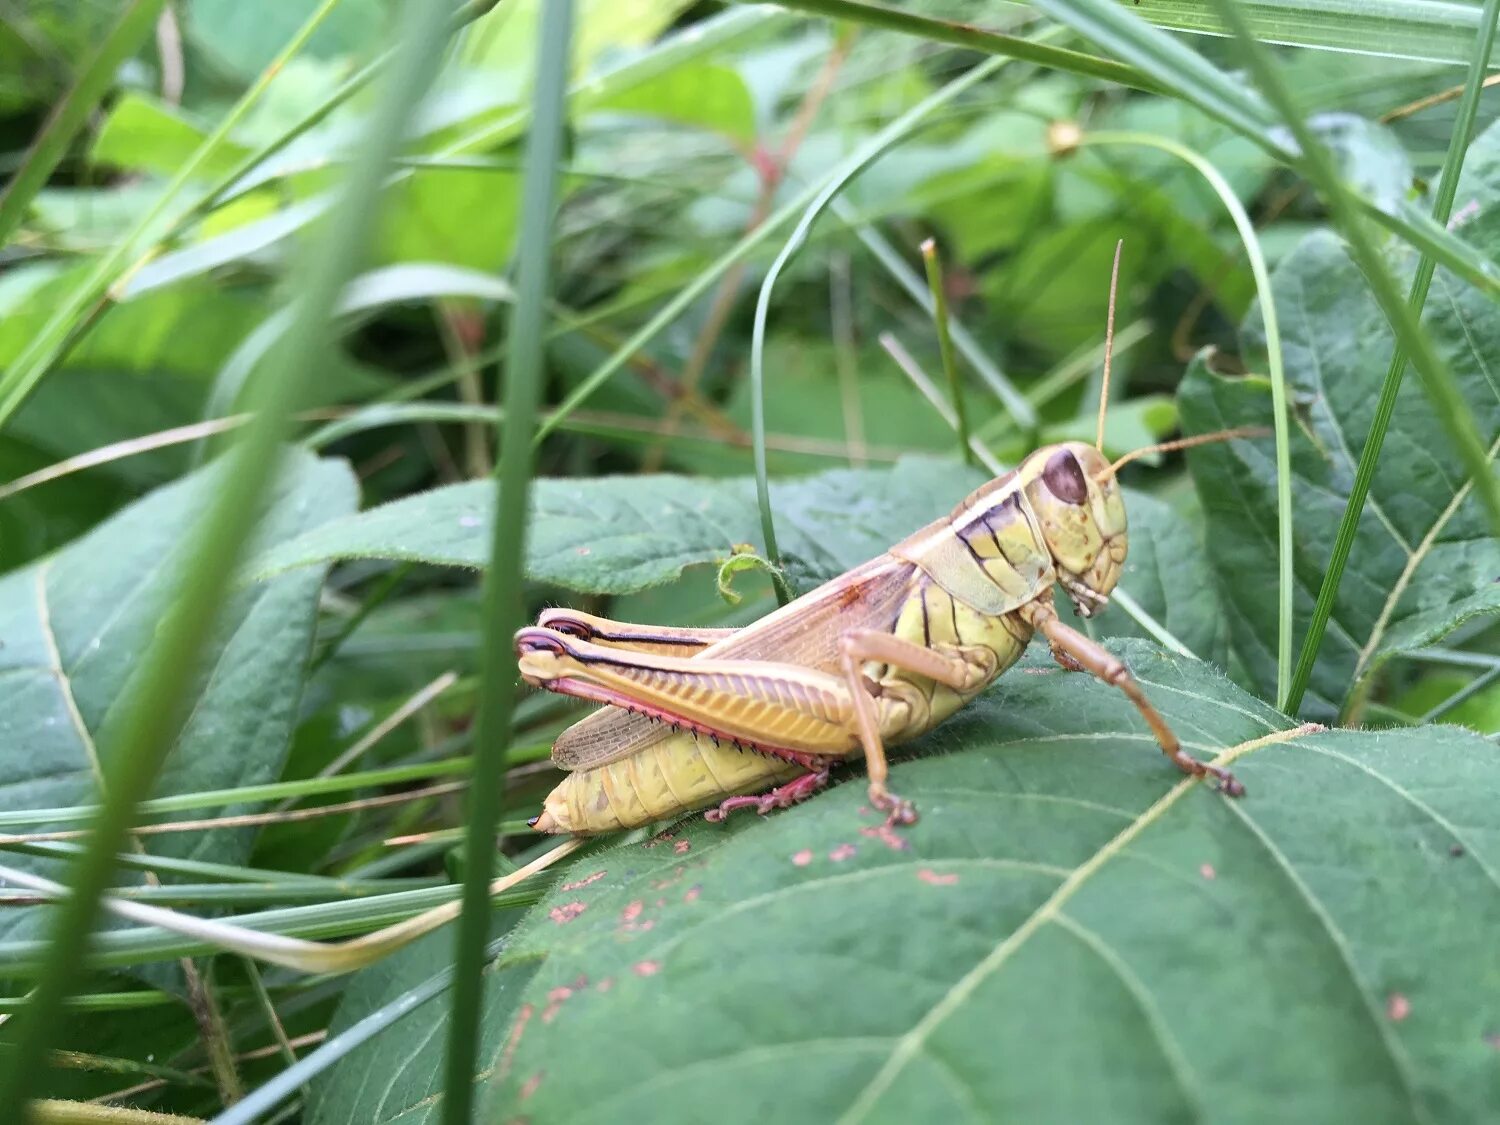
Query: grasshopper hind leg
782,797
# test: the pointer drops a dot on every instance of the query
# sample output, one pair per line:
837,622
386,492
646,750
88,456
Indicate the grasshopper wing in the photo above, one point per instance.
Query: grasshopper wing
806,632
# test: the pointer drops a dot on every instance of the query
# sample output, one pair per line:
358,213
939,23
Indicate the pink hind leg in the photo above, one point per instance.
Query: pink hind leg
782,797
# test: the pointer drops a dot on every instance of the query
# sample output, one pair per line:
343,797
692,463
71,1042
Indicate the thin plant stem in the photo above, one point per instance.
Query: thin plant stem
945,347
1385,405
1285,588
505,577
70,114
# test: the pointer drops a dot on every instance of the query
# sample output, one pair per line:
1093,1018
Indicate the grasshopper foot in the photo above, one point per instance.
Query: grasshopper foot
1227,783
782,797
899,811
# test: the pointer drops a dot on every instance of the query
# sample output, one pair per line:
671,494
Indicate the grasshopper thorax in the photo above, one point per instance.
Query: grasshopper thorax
1076,498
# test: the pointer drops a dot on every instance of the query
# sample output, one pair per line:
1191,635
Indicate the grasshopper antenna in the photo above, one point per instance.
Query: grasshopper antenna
1109,346
1189,442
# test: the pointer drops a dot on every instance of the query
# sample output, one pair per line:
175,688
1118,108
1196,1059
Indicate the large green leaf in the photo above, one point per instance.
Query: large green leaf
1070,933
75,625
618,535
1423,561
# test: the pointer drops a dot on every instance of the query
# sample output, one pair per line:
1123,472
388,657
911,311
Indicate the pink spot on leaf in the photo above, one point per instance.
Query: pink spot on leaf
529,1086
606,984
1397,1007
1207,871
514,1040
802,858
928,875
681,847
692,894
887,836
566,912
646,968
594,878
555,1000
632,911
841,853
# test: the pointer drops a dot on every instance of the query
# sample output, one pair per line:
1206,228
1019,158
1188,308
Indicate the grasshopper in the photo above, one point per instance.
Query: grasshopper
870,659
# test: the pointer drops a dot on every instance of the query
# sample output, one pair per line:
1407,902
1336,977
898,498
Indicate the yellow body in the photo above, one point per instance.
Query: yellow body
957,587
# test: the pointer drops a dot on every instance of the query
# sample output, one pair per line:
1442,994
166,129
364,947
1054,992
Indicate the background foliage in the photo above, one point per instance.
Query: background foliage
1070,932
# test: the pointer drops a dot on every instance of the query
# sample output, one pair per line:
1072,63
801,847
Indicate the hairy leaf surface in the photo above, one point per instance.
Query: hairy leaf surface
76,625
1071,932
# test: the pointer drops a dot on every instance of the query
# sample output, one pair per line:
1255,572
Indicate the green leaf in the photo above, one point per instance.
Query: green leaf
1071,933
395,1076
703,94
75,624
461,216
1423,561
618,535
144,134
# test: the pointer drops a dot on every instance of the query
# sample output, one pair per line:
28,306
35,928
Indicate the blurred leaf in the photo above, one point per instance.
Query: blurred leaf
144,134
461,216
702,94
1369,157
1423,561
244,38
76,624
41,45
503,40
1058,939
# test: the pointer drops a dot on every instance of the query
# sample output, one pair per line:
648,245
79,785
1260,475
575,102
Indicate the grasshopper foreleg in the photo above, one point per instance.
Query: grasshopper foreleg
1074,651
855,649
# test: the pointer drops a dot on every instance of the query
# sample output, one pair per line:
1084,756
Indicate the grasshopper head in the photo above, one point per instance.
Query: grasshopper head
1073,492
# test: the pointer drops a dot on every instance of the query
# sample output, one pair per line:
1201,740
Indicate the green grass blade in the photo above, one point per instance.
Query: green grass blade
1369,457
1019,409
1285,589
504,580
266,1098
826,191
1178,69
70,114
57,335
945,347
1431,30
960,34
150,712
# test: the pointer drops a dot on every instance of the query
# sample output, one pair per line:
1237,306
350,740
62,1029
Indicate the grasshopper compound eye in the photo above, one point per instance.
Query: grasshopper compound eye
1064,478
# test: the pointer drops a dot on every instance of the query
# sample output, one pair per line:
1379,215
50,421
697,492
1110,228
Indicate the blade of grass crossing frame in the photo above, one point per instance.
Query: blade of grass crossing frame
123,40
829,188
266,1098
945,346
1447,401
1178,69
1285,590
58,334
504,578
1369,457
150,712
